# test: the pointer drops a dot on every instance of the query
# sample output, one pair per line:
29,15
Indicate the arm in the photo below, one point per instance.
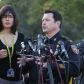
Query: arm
74,60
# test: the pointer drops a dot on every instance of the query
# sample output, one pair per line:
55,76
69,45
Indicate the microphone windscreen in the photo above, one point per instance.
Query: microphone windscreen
26,40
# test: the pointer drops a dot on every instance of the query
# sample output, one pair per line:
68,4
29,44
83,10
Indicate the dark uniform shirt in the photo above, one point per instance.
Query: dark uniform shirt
71,64
80,46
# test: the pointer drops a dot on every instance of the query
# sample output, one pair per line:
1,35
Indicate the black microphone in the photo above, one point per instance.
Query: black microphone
29,42
23,47
39,40
57,50
63,50
40,43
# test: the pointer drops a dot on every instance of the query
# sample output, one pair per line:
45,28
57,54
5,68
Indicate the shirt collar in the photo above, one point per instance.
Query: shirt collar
55,38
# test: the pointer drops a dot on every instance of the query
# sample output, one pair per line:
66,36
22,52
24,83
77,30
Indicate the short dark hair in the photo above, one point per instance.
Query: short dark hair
3,11
56,15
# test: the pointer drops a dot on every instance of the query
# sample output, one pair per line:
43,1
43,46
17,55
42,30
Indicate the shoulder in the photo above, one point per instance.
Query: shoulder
69,44
80,46
66,40
20,35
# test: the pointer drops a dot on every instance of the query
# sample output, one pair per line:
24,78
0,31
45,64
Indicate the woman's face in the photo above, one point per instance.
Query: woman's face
7,20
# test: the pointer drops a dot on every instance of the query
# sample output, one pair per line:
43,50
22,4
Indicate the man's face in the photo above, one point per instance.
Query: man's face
48,23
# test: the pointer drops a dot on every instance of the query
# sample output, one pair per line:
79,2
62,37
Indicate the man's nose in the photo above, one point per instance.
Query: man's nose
43,23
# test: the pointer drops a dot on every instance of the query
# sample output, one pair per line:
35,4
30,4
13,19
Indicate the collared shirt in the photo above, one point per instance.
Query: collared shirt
72,68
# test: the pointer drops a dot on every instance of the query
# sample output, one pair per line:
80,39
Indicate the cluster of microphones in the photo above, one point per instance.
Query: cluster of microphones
41,48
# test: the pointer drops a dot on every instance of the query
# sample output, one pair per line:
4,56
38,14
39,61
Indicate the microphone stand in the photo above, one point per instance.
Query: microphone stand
36,50
54,54
21,53
50,70
50,75
63,51
48,66
39,45
41,68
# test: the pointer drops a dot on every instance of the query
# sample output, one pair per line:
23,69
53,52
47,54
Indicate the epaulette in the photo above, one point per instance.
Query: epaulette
73,47
66,38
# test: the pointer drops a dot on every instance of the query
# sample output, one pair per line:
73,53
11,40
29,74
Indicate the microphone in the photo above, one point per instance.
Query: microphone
28,41
22,52
22,45
63,50
40,43
57,50
22,49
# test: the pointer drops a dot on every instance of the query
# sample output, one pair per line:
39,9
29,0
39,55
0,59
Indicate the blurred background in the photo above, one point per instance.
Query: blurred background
30,12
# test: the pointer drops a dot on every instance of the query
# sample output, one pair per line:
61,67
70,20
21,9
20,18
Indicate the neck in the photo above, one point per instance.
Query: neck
51,34
6,31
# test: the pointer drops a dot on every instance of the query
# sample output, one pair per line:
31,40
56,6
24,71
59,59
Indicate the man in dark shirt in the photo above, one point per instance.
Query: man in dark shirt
66,62
69,63
80,46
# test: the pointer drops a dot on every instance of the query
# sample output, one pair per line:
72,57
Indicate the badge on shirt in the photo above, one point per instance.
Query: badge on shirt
75,49
10,72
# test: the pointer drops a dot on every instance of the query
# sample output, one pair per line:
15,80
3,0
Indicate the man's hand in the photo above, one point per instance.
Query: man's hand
23,60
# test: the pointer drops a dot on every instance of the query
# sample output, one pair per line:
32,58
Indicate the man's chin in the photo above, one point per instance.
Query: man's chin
45,31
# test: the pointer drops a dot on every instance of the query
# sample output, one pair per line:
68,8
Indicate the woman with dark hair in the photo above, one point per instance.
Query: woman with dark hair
10,44
10,40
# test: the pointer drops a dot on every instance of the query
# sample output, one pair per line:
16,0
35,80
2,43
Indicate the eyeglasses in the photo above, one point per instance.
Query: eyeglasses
9,16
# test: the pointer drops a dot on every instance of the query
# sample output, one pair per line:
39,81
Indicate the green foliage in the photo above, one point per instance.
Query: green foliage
29,13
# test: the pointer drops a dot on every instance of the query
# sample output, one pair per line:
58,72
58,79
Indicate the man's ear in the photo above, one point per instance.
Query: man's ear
58,23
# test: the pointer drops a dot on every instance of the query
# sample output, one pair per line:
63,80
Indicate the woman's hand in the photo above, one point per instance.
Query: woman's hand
3,53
